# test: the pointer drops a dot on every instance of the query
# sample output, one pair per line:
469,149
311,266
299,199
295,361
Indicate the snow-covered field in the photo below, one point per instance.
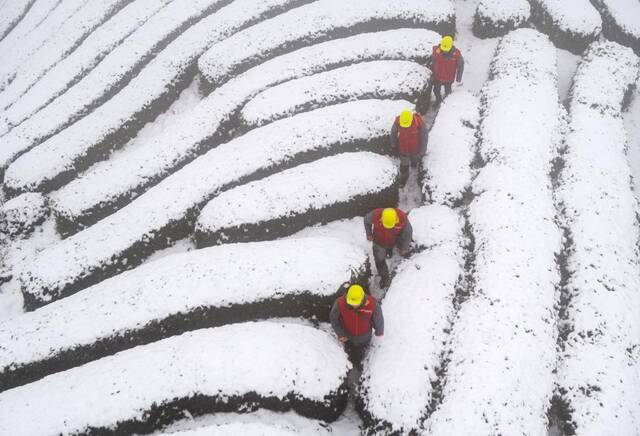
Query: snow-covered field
183,184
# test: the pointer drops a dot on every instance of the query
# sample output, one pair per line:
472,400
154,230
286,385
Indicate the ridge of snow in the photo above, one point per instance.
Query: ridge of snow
11,13
61,122
375,79
102,249
597,369
34,88
492,385
497,17
121,178
396,382
215,363
125,112
180,285
297,191
451,149
313,22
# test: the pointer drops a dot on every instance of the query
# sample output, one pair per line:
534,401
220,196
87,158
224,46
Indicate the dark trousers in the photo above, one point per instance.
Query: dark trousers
380,256
437,90
405,161
356,353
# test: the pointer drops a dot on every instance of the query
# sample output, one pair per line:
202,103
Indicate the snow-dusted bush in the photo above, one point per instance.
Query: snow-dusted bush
238,428
305,136
20,215
620,21
498,17
180,38
396,386
11,13
597,375
236,367
54,23
451,150
434,225
376,79
329,189
167,211
499,377
144,97
111,184
53,70
318,21
571,24
202,288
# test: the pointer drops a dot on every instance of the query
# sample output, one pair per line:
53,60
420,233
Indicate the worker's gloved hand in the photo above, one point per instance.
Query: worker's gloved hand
459,84
343,339
404,253
379,335
370,238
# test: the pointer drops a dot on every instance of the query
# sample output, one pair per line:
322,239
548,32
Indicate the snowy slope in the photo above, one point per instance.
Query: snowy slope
134,133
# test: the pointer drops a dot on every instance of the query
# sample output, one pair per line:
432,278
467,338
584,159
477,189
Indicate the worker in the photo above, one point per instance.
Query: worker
353,317
409,137
447,65
387,228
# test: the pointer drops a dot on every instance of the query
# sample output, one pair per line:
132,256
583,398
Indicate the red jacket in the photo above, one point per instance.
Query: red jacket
357,322
409,137
445,65
387,237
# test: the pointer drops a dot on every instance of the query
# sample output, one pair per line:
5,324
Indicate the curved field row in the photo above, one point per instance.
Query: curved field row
149,386
374,80
63,117
315,23
598,378
111,184
113,123
396,387
620,21
491,385
495,18
59,64
175,294
328,189
167,211
11,13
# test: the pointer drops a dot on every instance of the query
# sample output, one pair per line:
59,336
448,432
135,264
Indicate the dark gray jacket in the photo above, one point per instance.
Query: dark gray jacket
377,322
404,238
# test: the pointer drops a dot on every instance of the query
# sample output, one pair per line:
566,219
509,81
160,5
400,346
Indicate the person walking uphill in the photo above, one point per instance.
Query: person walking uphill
387,228
353,317
409,136
447,65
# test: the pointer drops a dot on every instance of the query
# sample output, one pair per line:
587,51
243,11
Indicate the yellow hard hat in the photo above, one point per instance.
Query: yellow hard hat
389,218
355,295
406,118
446,44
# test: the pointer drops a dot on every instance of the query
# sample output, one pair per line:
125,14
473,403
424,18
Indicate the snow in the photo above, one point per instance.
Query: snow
150,89
145,303
28,46
433,226
321,128
132,382
621,20
313,23
597,374
498,17
37,85
418,307
21,214
451,149
568,19
376,79
248,429
103,248
126,175
491,385
11,13
632,125
354,179
112,73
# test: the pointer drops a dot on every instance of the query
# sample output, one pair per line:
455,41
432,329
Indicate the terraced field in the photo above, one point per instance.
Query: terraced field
183,187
